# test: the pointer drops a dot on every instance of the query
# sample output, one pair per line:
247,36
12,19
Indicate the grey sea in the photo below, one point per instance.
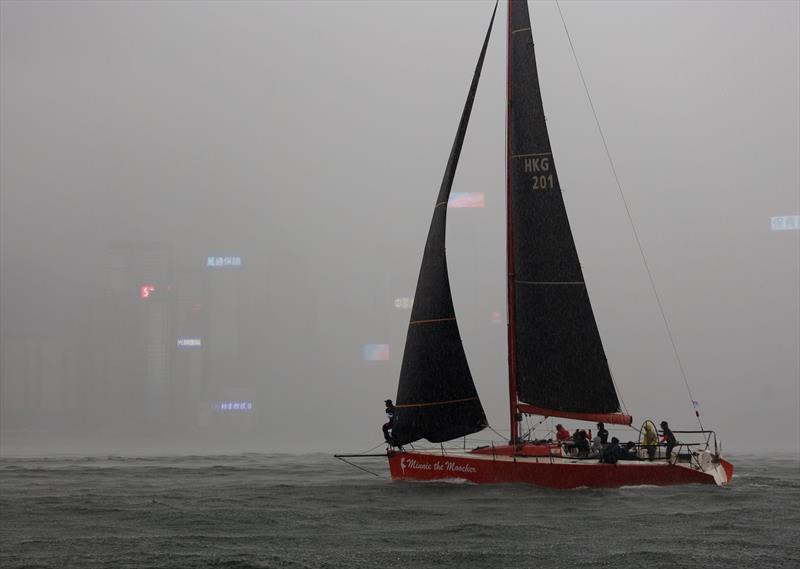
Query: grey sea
256,510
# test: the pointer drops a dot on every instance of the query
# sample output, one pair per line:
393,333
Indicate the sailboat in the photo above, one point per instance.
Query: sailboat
556,363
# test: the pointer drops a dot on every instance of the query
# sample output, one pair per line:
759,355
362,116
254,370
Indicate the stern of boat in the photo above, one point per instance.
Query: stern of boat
713,465
727,467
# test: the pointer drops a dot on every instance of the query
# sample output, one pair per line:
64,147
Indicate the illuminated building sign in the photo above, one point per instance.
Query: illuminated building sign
233,405
466,199
785,222
146,290
189,342
223,262
403,303
376,352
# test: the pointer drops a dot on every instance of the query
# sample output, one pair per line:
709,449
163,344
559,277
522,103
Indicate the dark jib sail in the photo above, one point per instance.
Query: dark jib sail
436,397
561,367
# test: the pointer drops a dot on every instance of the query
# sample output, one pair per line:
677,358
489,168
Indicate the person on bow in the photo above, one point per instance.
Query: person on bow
668,437
389,424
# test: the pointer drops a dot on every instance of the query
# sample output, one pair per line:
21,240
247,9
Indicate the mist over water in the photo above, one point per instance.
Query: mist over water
212,214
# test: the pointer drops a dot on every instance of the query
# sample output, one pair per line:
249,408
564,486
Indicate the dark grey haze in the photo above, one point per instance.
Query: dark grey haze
142,142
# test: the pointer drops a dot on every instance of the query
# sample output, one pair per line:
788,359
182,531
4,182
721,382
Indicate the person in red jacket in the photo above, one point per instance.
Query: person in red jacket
562,434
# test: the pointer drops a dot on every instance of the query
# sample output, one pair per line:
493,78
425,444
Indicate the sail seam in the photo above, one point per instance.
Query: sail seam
438,204
437,402
520,30
552,282
527,155
432,320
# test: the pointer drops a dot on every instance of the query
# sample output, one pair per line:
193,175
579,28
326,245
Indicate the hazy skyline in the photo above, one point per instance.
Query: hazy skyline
309,138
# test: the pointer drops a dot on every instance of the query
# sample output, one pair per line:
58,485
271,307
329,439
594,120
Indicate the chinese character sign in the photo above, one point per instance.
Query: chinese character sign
785,222
233,405
223,262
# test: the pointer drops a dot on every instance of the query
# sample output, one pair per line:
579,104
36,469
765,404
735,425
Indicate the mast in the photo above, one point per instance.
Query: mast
510,276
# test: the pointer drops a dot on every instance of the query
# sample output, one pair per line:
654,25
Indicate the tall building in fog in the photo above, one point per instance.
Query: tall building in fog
229,403
139,310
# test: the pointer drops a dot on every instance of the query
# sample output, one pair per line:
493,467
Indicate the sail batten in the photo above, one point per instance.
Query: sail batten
436,396
434,403
559,364
431,320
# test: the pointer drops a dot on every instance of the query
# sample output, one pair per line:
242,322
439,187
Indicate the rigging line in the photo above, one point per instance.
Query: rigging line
614,382
367,451
495,431
630,217
373,448
359,467
539,422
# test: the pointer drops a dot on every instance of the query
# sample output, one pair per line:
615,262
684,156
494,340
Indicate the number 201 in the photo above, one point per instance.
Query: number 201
543,182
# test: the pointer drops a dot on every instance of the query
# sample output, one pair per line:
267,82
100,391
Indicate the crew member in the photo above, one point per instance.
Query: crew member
668,437
389,424
650,439
581,442
613,452
602,434
562,435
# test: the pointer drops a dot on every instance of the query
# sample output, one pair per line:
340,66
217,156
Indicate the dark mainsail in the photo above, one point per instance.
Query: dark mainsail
436,397
560,365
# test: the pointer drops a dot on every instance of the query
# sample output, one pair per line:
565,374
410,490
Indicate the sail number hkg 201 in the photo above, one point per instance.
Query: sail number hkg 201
538,166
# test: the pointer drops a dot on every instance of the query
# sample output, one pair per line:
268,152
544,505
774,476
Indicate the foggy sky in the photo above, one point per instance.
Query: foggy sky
310,138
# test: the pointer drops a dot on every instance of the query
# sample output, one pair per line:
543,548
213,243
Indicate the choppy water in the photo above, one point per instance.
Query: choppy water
313,511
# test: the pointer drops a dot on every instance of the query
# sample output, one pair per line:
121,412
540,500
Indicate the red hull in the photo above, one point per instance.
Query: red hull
547,472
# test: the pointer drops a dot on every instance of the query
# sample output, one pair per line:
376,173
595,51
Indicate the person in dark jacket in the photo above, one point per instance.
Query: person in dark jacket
581,442
630,451
613,452
668,437
387,426
602,433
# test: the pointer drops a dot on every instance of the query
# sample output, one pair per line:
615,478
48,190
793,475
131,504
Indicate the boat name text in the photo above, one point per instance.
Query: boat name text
438,466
